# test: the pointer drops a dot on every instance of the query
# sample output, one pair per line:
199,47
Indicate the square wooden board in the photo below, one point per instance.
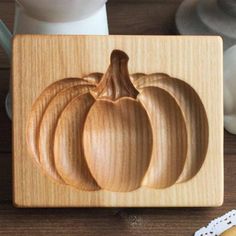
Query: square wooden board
40,60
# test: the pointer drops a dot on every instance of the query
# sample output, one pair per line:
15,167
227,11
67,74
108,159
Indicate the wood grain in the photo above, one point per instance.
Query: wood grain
5,123
117,134
48,127
230,232
118,144
169,151
38,110
169,49
194,115
99,131
68,149
108,221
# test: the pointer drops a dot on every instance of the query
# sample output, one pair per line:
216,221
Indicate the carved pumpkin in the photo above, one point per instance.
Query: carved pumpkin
116,132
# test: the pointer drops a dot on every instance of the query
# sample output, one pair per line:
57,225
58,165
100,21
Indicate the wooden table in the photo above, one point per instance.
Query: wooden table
125,17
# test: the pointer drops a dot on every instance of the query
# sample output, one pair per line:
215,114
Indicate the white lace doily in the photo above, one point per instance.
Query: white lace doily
219,225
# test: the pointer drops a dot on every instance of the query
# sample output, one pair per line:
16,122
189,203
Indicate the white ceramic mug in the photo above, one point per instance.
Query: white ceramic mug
61,17
61,10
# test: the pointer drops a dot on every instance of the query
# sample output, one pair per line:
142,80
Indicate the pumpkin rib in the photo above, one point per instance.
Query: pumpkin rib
69,158
169,155
38,109
195,116
93,78
116,165
48,126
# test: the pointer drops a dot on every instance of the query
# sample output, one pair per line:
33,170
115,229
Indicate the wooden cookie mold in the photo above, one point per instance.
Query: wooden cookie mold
118,135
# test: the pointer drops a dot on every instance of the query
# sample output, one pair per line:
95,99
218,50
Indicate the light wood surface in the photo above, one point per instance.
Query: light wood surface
103,129
68,150
176,56
99,130
230,232
117,135
39,108
118,144
48,127
194,115
169,138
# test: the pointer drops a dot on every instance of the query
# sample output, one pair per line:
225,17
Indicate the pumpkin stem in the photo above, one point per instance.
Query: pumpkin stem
116,82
